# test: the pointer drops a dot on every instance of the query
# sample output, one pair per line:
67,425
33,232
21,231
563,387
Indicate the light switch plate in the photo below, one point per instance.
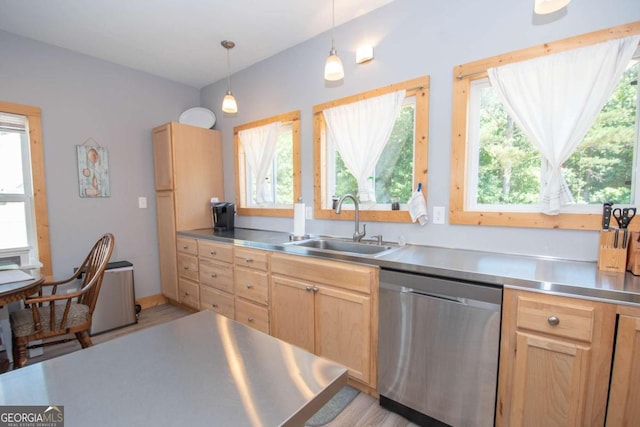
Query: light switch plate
438,214
142,202
308,214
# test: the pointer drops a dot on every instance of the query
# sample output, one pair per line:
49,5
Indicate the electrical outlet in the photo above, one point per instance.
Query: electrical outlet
142,202
438,214
308,214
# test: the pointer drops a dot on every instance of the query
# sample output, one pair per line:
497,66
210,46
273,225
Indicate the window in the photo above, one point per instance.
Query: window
401,166
496,170
24,236
280,178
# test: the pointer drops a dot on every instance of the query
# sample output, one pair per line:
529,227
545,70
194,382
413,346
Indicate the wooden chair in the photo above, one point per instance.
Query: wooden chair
47,316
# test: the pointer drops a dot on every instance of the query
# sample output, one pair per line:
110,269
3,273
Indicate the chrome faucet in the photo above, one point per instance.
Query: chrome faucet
357,235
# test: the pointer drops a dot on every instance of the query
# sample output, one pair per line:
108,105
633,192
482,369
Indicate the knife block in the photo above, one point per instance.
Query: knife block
610,256
633,258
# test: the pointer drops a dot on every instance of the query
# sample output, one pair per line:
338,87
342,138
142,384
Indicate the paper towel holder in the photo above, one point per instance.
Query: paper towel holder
293,236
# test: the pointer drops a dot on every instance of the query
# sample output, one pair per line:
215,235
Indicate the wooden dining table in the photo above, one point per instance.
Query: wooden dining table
13,289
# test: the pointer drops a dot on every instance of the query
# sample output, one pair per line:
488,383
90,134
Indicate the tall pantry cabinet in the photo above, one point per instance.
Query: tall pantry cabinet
188,173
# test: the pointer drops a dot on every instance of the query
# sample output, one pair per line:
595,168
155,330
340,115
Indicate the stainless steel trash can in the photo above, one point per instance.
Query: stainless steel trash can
116,305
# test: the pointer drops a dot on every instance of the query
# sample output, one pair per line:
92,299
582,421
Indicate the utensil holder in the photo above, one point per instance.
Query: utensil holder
633,257
612,256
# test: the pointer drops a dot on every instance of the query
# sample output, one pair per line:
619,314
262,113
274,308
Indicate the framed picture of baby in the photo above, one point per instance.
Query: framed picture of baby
93,171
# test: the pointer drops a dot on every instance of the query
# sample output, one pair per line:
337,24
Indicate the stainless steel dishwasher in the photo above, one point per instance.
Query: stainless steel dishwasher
438,349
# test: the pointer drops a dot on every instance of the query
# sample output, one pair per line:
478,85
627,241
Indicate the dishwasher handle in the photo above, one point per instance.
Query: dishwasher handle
442,297
455,300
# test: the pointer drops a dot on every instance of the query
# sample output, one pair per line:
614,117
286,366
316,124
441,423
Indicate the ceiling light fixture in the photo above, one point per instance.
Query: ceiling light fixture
543,7
333,70
229,104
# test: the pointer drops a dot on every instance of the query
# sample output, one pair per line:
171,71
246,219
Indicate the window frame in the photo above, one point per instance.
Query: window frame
418,87
292,117
463,76
33,115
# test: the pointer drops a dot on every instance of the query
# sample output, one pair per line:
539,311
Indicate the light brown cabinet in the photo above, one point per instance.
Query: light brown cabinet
188,289
188,172
328,308
215,274
251,287
624,396
555,360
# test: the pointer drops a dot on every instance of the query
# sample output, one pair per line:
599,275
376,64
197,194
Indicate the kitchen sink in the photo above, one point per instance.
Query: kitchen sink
345,246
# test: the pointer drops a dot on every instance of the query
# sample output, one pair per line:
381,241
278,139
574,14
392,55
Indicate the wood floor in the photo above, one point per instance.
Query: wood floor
362,411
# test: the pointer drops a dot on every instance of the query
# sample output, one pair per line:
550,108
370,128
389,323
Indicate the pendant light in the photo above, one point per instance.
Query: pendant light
333,70
229,104
543,7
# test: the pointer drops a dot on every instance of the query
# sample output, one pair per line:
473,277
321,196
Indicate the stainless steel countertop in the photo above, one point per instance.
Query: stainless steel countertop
200,370
574,278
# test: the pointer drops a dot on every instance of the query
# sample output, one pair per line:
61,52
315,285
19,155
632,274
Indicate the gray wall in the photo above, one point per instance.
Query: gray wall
412,38
83,97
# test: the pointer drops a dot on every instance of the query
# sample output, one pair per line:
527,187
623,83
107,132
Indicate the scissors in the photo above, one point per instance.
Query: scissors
624,216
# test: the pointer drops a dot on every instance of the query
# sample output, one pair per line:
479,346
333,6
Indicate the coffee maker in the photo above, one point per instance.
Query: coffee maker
222,214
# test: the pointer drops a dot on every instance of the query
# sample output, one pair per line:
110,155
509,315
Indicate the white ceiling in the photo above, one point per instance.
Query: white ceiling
178,39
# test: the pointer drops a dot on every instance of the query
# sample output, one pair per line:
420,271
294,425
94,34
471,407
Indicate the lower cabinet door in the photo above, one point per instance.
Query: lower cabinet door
549,380
343,330
624,403
292,309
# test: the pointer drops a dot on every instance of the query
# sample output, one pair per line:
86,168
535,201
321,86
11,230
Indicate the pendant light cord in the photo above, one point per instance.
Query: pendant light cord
228,71
333,23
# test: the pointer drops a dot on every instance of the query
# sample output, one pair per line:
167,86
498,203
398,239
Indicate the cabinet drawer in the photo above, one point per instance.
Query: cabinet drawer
217,251
253,285
187,245
220,302
188,291
556,316
251,258
216,274
188,266
345,275
252,315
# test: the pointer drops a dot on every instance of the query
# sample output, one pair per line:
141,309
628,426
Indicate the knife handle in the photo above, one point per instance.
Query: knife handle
606,215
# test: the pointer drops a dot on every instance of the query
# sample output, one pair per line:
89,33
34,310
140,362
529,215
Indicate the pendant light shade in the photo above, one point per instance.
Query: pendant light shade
229,104
543,7
333,69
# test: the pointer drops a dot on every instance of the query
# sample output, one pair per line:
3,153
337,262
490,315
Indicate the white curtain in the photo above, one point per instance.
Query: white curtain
555,100
360,131
259,145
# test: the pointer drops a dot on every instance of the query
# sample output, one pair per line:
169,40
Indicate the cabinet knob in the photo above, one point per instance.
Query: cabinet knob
250,319
214,275
214,305
553,320
185,247
309,288
212,252
248,260
186,267
249,286
315,289
186,294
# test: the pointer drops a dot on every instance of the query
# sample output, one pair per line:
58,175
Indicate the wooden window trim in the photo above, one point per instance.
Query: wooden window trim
293,118
463,75
418,87
34,119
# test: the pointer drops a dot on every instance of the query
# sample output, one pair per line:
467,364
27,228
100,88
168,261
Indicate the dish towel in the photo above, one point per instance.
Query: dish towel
418,207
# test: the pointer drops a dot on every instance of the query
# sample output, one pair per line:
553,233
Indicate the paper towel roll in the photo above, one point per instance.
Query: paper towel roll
298,219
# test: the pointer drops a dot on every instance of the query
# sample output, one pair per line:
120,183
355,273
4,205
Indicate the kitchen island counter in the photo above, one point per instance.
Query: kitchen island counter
573,278
200,370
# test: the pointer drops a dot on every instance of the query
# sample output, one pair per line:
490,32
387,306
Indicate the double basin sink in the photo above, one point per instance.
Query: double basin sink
344,246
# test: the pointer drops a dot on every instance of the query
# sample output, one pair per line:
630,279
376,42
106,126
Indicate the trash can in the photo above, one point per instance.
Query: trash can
116,305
